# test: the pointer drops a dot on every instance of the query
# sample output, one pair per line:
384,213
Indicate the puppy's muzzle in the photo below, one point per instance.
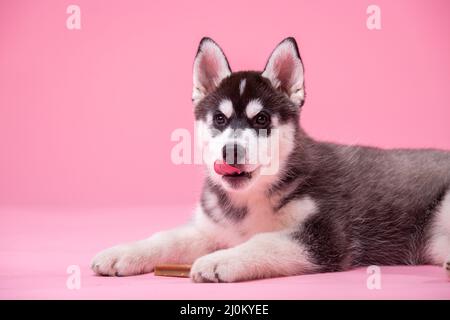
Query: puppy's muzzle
233,153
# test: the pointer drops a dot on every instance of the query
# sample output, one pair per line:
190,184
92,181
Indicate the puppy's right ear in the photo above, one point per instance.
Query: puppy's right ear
210,68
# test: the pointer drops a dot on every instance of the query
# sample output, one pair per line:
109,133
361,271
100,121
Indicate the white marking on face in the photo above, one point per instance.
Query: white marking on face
265,155
226,107
209,119
253,108
242,86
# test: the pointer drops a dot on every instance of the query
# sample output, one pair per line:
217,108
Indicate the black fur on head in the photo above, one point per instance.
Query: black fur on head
279,87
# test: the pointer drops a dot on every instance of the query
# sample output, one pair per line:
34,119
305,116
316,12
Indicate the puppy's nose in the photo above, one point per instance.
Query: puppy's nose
233,153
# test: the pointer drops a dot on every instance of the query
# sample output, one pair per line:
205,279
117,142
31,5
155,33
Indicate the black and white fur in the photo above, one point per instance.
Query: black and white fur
328,207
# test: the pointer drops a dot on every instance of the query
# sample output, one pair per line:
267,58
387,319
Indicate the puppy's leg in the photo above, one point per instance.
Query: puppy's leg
181,245
264,255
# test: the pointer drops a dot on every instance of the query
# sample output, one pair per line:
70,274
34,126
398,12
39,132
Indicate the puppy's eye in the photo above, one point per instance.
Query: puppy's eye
261,120
220,119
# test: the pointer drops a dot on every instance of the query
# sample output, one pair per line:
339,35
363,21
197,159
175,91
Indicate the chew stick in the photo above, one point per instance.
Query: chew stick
173,270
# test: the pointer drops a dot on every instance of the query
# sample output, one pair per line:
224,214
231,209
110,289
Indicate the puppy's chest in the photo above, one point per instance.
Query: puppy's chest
261,217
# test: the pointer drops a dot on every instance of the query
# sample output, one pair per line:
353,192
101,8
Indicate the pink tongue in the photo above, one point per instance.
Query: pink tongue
223,168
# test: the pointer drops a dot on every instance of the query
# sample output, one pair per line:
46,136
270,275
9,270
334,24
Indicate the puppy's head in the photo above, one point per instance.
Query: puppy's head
247,122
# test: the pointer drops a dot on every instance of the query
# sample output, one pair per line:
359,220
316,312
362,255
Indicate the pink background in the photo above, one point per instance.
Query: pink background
35,267
86,115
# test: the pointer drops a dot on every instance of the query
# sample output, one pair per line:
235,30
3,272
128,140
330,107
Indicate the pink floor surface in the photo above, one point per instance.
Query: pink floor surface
37,246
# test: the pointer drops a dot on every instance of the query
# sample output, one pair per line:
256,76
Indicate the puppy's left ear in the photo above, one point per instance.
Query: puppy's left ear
210,68
285,71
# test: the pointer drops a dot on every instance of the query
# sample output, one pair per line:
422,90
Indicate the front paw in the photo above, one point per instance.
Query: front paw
122,260
219,266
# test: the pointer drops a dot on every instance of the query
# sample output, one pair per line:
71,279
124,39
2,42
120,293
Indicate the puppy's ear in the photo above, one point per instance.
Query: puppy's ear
285,71
210,68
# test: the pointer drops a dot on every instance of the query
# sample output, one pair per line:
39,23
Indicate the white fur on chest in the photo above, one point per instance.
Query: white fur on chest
260,218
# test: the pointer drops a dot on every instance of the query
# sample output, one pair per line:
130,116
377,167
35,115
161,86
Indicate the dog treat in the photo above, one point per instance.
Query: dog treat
173,270
222,168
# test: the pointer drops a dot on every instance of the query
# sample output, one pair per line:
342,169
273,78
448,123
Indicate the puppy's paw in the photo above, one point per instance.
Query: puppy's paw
219,266
122,260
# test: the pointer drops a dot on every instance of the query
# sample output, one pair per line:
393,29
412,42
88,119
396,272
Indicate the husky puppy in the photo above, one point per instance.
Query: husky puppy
323,207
